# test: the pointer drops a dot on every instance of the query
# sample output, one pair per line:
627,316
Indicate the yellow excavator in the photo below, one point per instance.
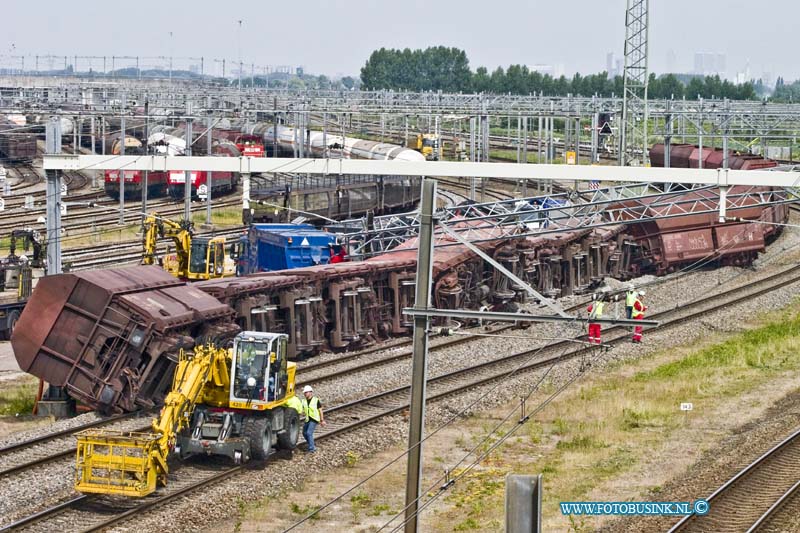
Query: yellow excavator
428,144
195,258
231,402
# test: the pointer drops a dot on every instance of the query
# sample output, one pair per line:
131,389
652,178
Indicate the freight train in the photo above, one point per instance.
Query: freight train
334,146
17,143
691,156
332,197
110,337
328,197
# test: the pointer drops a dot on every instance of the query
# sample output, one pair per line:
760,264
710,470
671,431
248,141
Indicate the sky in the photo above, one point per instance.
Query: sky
335,37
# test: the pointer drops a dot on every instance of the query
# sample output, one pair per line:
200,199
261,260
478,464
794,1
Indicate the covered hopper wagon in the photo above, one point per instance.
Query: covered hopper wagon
111,337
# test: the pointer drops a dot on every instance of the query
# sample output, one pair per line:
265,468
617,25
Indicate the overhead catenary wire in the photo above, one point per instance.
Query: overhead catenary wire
454,417
492,447
765,222
442,426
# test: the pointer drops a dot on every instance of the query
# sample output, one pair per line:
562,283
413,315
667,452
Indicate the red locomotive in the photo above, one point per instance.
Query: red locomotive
134,182
250,145
220,182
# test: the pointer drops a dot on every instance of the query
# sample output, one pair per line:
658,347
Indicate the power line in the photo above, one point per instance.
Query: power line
445,424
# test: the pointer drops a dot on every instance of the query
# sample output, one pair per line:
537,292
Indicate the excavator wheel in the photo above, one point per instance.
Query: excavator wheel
287,439
258,432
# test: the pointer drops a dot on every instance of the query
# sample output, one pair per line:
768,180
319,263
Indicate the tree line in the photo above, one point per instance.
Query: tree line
447,69
786,92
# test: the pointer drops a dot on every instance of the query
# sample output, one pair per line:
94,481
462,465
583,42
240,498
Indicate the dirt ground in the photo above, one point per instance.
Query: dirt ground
11,384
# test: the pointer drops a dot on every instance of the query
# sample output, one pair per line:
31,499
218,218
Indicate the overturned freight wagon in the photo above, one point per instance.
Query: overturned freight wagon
111,337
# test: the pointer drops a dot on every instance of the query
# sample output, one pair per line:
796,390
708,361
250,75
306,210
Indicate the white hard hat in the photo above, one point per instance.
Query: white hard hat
641,293
307,388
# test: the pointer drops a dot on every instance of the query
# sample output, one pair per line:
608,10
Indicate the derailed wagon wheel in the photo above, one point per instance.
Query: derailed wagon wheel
258,432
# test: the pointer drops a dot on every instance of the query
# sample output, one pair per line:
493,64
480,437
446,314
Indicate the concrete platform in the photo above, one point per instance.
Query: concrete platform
9,368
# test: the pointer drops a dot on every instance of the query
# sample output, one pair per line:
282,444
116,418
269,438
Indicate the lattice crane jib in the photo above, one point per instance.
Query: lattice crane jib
633,137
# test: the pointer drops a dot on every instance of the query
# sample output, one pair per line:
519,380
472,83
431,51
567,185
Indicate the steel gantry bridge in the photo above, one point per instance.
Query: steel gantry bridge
557,213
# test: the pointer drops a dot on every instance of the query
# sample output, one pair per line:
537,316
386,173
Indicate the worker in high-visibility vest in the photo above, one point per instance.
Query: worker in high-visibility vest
638,314
595,311
630,298
312,407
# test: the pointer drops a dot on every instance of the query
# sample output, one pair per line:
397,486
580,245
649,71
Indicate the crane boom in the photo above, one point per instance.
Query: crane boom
137,461
195,257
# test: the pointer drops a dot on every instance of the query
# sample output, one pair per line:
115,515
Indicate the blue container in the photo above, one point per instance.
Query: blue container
285,246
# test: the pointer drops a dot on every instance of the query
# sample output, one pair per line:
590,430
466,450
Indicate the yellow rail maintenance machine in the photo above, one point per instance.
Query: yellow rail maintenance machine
195,258
230,402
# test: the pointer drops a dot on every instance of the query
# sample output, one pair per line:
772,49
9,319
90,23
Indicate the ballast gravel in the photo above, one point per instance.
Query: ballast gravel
283,473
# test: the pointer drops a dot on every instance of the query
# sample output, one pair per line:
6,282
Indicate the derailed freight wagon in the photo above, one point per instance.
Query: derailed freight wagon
112,337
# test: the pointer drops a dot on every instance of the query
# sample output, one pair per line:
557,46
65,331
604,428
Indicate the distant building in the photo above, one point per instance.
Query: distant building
744,76
613,65
709,64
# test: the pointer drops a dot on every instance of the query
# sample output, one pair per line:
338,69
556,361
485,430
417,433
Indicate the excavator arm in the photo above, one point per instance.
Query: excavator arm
155,227
132,464
150,234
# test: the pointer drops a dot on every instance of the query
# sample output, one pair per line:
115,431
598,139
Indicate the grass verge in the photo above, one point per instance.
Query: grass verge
611,424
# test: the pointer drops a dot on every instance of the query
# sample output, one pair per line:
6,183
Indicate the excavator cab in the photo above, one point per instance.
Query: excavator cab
259,370
207,259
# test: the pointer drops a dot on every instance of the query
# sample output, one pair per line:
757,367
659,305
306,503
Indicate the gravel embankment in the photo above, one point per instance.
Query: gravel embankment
36,488
282,475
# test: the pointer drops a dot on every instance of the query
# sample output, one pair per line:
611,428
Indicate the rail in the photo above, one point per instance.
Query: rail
350,416
788,448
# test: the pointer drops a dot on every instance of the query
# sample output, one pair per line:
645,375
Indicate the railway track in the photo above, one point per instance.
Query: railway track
97,513
612,335
91,218
757,498
328,374
41,450
31,176
28,176
326,371
129,251
489,192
